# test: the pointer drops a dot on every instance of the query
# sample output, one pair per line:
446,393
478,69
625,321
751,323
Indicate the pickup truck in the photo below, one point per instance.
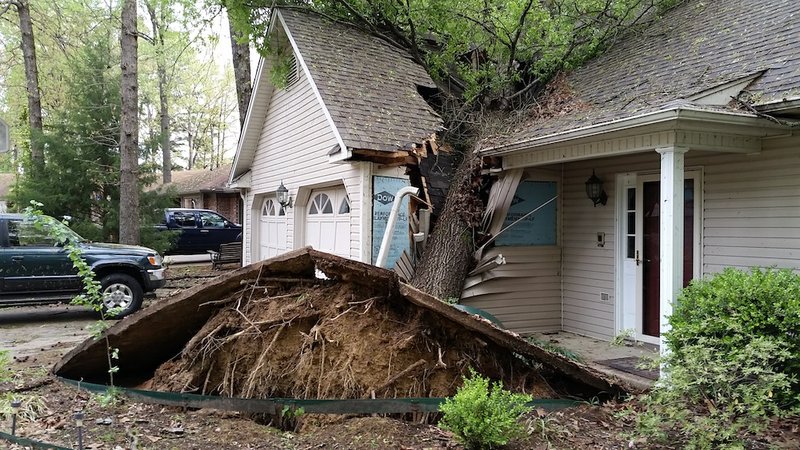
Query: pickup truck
36,269
200,230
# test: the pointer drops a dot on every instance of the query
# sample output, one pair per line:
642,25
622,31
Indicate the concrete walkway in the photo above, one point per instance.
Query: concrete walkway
592,350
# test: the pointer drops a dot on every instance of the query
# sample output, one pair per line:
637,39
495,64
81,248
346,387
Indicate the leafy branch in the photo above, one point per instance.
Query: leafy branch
91,295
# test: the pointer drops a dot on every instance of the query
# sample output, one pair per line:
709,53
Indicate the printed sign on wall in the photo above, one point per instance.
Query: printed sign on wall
383,192
540,227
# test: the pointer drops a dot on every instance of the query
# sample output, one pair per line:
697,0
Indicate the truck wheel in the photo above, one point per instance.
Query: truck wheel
121,293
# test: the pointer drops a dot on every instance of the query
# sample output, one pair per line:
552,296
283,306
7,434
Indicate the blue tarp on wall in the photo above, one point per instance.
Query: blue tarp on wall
538,228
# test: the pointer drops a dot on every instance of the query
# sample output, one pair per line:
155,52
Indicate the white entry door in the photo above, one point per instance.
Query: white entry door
328,221
272,229
638,212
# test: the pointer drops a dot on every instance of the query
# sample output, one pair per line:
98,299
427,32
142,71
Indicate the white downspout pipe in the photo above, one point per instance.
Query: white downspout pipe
383,253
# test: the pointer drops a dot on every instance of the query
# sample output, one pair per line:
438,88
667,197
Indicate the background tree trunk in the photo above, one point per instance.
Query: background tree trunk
447,258
129,136
161,69
241,71
32,84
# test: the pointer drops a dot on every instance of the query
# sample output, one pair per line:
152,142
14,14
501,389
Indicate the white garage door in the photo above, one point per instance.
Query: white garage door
272,231
328,221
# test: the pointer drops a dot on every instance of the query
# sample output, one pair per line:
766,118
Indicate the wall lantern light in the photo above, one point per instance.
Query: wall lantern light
594,190
283,197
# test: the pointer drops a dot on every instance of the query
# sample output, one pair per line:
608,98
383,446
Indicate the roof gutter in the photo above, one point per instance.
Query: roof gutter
652,118
780,106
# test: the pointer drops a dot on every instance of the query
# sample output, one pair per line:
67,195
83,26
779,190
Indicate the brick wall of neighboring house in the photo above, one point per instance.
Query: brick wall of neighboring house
186,201
228,206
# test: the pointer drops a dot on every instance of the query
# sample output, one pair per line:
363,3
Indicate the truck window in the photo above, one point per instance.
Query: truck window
184,219
211,220
25,234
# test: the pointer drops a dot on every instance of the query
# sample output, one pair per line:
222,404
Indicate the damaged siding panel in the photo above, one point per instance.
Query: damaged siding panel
752,208
524,293
293,148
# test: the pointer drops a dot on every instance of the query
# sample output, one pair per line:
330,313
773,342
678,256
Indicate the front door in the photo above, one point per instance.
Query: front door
641,240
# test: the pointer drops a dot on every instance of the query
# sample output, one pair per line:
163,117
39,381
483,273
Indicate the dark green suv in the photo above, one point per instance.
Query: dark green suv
35,269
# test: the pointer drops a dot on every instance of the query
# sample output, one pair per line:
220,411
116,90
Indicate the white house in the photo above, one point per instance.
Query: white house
691,126
339,131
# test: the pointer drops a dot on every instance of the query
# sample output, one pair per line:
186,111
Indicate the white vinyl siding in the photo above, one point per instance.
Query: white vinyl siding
751,217
588,270
293,148
751,211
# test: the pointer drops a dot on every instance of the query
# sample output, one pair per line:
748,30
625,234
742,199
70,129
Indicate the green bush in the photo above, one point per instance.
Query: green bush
734,307
482,415
733,361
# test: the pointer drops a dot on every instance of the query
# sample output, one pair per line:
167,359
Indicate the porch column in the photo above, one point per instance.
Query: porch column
671,277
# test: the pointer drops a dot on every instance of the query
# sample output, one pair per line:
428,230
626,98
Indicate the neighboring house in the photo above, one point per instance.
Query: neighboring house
690,127
6,182
340,136
206,189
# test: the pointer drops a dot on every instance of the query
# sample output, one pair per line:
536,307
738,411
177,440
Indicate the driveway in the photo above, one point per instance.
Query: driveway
41,334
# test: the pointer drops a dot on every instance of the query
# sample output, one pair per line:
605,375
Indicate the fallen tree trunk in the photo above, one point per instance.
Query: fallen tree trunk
447,258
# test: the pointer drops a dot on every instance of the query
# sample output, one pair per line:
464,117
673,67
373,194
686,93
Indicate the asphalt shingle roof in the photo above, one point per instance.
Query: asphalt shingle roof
696,46
368,86
197,180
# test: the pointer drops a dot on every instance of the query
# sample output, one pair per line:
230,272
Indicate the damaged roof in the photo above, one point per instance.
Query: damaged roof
697,56
368,86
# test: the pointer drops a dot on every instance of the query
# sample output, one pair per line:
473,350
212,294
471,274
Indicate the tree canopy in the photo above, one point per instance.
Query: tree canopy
495,53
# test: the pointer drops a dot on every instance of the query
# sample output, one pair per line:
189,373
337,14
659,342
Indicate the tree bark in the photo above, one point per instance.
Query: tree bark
161,69
241,71
444,264
32,84
129,136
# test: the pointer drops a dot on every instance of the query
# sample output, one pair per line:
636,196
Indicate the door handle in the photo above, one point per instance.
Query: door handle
638,260
204,231
17,258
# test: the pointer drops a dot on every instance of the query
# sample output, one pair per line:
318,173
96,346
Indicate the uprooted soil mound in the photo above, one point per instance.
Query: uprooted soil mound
322,339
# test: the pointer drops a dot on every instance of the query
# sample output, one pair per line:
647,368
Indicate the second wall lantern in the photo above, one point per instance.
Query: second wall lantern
594,190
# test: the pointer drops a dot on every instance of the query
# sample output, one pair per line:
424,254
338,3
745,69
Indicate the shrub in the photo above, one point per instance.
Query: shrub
484,415
734,307
733,360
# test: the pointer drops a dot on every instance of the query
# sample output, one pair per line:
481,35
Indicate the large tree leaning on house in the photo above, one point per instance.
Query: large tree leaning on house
28,47
129,138
488,57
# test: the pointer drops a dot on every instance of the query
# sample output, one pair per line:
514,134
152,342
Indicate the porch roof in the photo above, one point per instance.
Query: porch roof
721,58
680,124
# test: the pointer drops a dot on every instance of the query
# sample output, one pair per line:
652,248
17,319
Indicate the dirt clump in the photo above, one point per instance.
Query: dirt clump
306,338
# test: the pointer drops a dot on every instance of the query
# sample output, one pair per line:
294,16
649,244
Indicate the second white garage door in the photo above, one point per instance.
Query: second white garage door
328,221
